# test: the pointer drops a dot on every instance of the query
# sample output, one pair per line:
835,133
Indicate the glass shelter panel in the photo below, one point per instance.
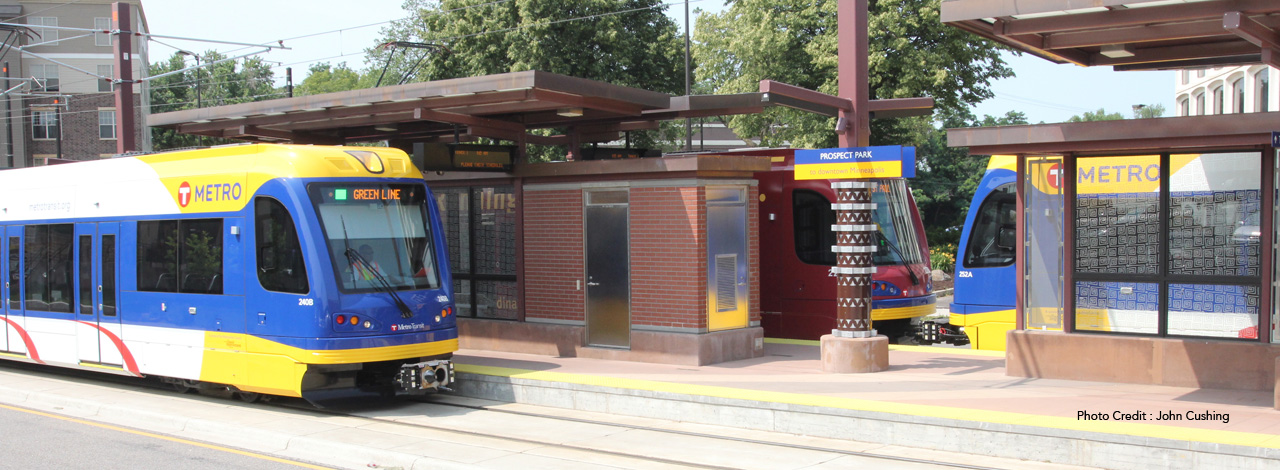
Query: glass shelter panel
1043,270
1117,215
1214,204
1118,307
1227,311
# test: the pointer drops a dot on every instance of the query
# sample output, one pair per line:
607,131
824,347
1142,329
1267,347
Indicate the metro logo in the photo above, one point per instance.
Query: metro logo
184,194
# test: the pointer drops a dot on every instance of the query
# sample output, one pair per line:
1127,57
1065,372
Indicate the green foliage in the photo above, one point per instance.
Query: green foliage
1099,115
229,82
947,178
794,41
1149,112
324,78
943,257
625,42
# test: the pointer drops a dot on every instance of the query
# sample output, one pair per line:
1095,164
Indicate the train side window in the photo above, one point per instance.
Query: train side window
813,218
280,264
992,238
86,274
180,256
158,256
50,265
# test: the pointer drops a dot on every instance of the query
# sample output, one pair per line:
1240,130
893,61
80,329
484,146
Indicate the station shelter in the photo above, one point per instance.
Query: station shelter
615,253
1145,247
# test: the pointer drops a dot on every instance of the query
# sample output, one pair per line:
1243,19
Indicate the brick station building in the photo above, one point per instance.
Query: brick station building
641,259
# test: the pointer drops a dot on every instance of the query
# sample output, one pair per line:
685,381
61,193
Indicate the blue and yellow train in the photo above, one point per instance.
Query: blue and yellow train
300,271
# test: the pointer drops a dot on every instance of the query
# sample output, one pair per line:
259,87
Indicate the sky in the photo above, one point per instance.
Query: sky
339,31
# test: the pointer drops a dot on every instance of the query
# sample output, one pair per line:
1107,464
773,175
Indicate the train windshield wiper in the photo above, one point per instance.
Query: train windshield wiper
884,241
383,284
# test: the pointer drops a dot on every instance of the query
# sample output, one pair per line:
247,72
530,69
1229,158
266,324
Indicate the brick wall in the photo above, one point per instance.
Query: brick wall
553,254
80,138
668,257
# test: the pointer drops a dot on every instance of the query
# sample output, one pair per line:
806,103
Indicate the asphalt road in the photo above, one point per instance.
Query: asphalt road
31,439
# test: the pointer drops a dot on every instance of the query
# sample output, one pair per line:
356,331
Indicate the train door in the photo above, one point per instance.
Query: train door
12,296
96,288
4,293
608,269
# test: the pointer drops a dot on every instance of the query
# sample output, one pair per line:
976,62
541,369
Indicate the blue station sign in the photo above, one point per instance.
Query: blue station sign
886,161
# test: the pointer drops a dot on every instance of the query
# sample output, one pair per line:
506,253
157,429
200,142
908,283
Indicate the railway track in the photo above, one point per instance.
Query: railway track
607,440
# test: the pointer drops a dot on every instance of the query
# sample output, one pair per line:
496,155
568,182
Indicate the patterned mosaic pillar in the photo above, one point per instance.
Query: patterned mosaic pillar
855,242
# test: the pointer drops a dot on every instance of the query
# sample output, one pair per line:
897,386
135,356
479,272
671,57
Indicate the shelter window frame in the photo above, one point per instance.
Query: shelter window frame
1199,281
480,230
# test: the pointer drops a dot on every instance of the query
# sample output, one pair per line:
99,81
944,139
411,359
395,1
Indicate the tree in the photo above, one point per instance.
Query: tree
1099,115
624,42
947,177
794,41
216,85
324,78
1142,111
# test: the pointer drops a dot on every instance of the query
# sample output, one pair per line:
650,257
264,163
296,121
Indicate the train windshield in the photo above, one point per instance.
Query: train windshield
897,241
378,236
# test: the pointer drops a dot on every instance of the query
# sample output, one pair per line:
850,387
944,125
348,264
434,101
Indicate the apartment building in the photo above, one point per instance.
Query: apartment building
65,112
1226,90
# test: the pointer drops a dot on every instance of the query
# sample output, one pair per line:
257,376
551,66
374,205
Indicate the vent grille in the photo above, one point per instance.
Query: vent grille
726,283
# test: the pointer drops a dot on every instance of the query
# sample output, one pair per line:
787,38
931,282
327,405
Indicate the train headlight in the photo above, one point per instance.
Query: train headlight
368,324
370,160
437,318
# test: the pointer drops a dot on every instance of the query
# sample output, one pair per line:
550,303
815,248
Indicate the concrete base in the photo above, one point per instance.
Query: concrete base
854,355
1196,363
646,346
1276,393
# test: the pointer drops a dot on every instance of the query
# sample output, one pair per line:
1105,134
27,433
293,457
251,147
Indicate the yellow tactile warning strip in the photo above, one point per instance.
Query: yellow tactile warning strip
981,416
899,347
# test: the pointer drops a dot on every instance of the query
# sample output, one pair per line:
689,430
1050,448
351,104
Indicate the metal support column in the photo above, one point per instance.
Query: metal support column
855,243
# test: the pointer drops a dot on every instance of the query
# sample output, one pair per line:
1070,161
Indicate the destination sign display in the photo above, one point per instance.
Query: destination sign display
603,153
350,194
887,161
461,157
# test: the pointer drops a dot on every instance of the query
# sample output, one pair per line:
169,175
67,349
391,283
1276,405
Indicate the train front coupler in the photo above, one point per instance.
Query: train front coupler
423,377
931,332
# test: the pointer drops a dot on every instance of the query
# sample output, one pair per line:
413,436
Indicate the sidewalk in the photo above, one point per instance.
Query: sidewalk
939,398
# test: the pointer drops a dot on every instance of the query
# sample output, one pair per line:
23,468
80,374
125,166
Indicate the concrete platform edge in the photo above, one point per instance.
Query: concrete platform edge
273,443
1019,441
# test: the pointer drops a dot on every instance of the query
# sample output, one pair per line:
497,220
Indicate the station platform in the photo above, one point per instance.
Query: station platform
939,398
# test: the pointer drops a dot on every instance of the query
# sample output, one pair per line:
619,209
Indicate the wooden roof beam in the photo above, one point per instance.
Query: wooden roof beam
1137,16
1254,32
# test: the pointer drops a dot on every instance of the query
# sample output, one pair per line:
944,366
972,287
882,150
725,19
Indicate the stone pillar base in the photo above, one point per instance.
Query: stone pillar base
1276,392
854,355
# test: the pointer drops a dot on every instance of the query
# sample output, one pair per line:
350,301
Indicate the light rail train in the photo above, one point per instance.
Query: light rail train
300,271
797,290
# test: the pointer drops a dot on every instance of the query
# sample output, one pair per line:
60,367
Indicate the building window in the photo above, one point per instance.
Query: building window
107,123
1200,73
44,124
1200,104
105,85
1186,77
1262,87
46,75
1184,107
45,35
1237,100
180,256
1217,100
102,24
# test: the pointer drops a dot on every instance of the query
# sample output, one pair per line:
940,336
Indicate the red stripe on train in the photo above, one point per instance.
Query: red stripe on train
129,364
26,339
